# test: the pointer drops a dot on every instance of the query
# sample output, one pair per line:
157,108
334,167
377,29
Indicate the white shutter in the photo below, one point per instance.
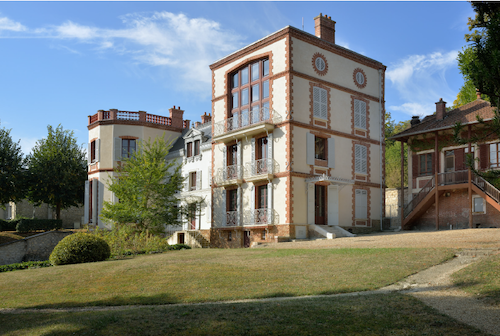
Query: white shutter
362,116
333,205
357,120
357,158
97,150
361,204
331,153
310,203
252,204
324,104
89,153
223,207
118,149
238,207
198,180
316,101
269,163
253,168
224,163
239,162
270,203
95,202
363,160
310,149
86,204
360,159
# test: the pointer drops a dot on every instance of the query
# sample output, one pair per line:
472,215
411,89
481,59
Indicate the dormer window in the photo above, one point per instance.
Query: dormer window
189,149
197,147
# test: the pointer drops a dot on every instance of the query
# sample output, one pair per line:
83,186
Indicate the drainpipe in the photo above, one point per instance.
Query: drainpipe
382,140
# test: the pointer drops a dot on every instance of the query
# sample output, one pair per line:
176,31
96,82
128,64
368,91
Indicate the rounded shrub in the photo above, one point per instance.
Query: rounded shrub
80,248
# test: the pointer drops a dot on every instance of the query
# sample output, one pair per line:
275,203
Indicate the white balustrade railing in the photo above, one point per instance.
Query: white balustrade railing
245,119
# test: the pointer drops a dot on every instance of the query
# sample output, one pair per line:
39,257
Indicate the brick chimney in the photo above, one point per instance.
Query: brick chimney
324,28
176,114
440,109
415,120
478,94
206,118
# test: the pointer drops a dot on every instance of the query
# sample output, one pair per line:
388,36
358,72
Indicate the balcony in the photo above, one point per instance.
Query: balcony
258,170
229,175
245,124
136,117
232,218
263,216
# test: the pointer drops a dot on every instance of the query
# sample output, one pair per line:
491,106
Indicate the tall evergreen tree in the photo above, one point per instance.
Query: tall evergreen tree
12,175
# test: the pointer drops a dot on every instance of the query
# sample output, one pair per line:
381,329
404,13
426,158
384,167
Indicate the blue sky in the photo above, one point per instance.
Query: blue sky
63,61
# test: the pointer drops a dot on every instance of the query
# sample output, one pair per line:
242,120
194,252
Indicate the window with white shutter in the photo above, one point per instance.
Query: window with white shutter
359,114
320,103
361,201
360,156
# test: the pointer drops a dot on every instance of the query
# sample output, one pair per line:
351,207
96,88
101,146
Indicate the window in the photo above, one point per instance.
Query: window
229,235
449,161
128,147
359,114
320,148
494,155
478,205
360,161
232,200
250,92
361,204
92,152
261,201
197,147
192,181
232,155
466,151
320,103
425,164
189,149
263,235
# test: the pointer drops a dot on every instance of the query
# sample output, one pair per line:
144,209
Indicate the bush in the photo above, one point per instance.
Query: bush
80,248
24,265
179,247
29,225
8,225
125,240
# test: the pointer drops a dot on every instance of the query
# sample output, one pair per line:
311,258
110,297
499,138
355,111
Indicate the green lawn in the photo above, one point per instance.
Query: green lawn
481,278
390,314
210,275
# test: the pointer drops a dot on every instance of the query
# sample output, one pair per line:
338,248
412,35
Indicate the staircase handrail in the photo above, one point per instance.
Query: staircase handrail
488,188
420,196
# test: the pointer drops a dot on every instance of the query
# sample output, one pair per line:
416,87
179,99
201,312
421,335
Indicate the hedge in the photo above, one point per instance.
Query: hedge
29,225
8,225
24,265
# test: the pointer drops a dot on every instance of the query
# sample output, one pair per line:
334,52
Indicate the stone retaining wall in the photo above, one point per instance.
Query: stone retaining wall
33,248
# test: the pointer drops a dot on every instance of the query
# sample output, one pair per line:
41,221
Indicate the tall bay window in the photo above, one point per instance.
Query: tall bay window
261,155
232,162
261,204
250,94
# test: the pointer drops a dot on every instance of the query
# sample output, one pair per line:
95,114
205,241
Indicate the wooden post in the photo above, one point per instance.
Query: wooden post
402,196
436,184
470,180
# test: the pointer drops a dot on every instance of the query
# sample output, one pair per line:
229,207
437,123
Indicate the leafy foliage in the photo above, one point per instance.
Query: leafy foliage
30,225
24,265
8,225
467,94
80,248
393,152
57,171
146,187
125,240
12,175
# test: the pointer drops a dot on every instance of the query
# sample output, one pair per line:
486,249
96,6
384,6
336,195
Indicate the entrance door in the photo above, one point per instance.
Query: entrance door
449,166
246,238
180,238
319,204
192,216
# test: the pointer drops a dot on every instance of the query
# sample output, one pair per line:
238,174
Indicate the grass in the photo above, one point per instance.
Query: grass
389,314
481,278
213,275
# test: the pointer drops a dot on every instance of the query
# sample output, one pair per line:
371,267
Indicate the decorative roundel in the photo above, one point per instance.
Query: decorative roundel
320,64
359,77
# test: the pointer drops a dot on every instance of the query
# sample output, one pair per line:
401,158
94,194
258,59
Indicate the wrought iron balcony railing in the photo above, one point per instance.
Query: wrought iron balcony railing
263,216
229,173
261,167
245,119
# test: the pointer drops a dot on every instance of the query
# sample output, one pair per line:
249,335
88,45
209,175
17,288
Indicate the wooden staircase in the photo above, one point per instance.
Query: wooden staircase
447,181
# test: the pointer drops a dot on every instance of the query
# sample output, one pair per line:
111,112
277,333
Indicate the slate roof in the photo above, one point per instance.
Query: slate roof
206,128
465,114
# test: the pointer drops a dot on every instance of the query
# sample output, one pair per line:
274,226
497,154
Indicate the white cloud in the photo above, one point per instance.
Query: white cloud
420,81
8,24
27,144
184,45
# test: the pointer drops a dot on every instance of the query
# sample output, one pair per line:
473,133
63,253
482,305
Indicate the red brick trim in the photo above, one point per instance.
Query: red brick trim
135,123
333,85
360,86
368,204
128,137
321,134
311,103
353,130
318,71
93,139
100,171
320,163
368,167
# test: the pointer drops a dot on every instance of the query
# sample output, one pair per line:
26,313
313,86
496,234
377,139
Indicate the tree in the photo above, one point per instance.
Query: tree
57,171
393,152
146,187
467,94
480,61
12,182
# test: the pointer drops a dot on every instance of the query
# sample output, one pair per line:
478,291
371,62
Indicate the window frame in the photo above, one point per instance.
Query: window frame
93,151
474,197
360,114
196,147
317,155
129,152
427,171
497,156
318,105
192,181
359,207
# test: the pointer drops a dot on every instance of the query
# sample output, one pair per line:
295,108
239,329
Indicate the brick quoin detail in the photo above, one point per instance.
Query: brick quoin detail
311,103
368,166
367,115
368,203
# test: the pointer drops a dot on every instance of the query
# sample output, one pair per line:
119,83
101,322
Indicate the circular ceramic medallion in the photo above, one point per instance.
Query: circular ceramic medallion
359,78
320,64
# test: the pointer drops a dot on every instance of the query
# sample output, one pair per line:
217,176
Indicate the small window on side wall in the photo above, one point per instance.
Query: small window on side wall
478,205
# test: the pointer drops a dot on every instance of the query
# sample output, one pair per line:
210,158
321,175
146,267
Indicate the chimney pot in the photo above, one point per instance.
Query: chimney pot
415,120
478,94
